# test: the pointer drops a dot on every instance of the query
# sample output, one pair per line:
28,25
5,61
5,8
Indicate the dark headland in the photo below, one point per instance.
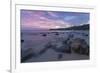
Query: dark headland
81,27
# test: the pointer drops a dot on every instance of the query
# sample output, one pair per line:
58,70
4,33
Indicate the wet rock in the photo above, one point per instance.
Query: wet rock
22,41
27,54
63,48
44,35
60,56
46,47
70,36
85,34
79,46
56,33
66,41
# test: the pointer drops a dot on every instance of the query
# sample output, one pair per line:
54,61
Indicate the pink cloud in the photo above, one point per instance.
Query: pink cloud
37,19
52,14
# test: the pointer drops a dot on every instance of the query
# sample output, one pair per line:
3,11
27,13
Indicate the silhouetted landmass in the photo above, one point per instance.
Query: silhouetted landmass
81,27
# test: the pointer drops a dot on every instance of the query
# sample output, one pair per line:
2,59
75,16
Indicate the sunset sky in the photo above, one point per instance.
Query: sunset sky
33,19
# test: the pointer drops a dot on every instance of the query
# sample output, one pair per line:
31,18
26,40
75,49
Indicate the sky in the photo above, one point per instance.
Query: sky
37,19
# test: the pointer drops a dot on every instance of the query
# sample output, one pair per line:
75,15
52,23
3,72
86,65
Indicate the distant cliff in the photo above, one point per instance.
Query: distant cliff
81,27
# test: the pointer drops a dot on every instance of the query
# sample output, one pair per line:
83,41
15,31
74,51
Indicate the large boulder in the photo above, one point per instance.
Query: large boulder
79,46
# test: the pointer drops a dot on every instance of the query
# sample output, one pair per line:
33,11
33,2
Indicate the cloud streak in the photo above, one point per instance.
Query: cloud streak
31,19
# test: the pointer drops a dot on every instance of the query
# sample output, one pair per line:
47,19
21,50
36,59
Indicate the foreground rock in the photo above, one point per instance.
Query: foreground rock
79,46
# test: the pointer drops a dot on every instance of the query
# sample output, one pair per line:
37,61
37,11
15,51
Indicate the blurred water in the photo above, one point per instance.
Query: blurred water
36,41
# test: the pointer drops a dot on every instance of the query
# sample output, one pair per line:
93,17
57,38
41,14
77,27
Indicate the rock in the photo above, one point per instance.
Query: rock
71,36
46,47
60,56
56,33
79,46
66,41
27,54
22,41
62,48
44,35
86,35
